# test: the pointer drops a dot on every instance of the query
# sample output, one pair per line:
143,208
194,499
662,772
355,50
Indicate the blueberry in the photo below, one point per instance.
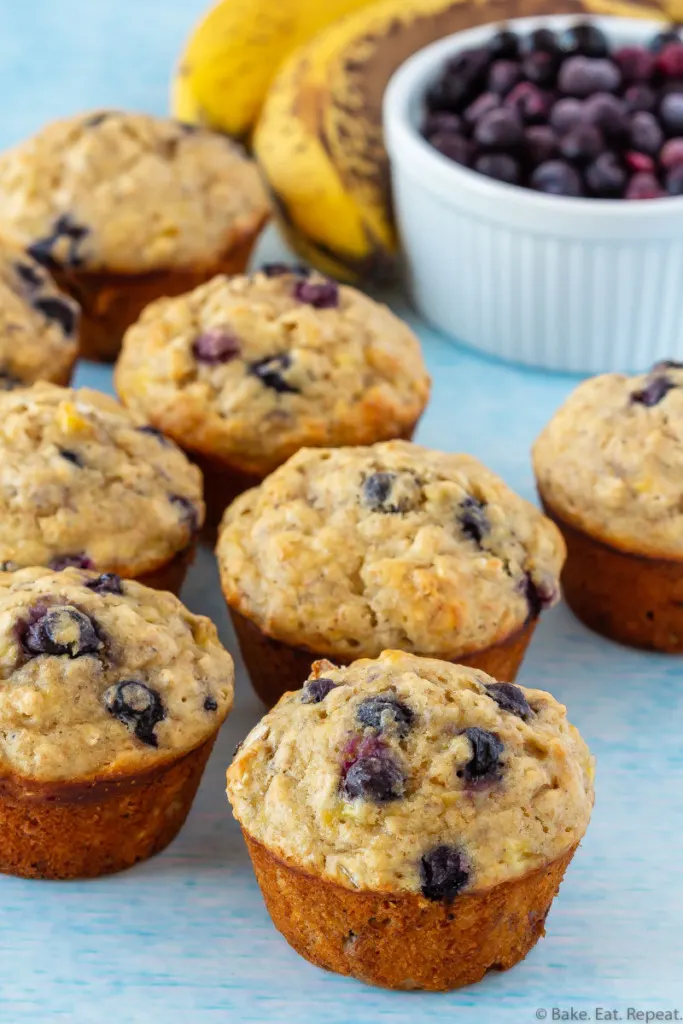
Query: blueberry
448,93
640,97
566,114
646,135
666,364
510,698
484,104
655,390
29,275
529,102
484,765
671,113
674,180
60,631
147,428
8,382
319,294
503,75
443,873
107,583
210,704
504,44
384,710
216,345
473,519
540,593
543,39
381,492
498,166
607,113
556,178
441,122
670,60
42,250
269,371
582,144
606,176
540,144
188,511
280,269
585,39
672,153
76,561
454,147
644,186
73,457
374,775
316,690
541,68
97,119
499,129
662,39
60,311
581,76
137,707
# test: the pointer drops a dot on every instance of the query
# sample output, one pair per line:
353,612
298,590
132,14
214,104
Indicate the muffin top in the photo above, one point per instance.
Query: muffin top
407,773
102,676
253,368
83,483
127,193
349,551
610,461
38,323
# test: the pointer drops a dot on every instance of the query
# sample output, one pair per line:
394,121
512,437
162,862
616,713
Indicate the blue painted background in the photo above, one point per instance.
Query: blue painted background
185,937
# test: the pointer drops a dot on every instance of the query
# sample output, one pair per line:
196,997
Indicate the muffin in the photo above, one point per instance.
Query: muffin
346,552
84,484
609,467
123,208
112,696
242,373
410,821
38,324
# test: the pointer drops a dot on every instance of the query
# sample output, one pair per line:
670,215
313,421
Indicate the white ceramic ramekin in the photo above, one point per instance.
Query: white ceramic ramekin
583,285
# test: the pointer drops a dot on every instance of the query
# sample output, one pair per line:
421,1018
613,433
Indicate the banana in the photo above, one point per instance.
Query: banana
234,52
319,139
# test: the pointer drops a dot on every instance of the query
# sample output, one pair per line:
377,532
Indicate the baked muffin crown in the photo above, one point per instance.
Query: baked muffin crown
127,193
350,551
82,482
38,323
251,368
611,460
407,773
102,677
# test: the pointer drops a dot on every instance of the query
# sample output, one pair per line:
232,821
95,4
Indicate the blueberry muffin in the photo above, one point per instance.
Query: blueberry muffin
38,324
244,372
123,208
609,467
409,820
82,483
345,552
112,696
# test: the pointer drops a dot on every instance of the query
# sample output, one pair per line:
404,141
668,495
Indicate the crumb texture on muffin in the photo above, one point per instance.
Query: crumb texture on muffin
38,323
82,482
407,773
610,461
102,676
128,193
249,369
350,551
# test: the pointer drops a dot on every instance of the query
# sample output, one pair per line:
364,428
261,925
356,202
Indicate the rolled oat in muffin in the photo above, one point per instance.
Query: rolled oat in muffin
410,820
243,372
112,695
126,207
609,468
345,552
38,324
83,483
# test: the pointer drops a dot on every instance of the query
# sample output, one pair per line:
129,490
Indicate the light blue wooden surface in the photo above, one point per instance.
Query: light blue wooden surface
185,937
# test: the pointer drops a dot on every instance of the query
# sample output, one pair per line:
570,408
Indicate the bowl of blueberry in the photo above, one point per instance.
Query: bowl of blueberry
537,170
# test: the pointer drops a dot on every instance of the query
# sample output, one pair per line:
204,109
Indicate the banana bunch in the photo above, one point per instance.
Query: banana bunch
319,139
234,53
